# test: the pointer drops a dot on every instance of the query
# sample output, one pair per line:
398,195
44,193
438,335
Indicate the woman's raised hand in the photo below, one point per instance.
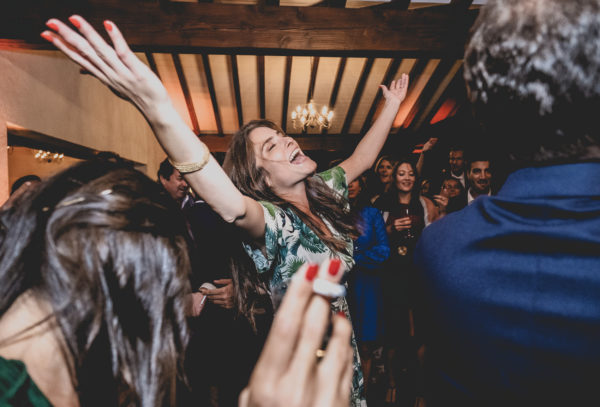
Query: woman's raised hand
397,90
289,372
116,66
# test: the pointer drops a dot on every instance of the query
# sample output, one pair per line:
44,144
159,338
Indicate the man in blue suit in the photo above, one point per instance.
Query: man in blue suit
512,302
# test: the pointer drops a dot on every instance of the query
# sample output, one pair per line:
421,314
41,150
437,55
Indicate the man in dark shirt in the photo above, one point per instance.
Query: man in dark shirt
513,301
223,347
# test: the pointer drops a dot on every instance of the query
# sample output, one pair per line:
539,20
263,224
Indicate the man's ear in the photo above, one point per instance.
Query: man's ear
162,180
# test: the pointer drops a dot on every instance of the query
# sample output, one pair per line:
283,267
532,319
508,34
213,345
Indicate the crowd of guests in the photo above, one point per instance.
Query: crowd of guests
120,290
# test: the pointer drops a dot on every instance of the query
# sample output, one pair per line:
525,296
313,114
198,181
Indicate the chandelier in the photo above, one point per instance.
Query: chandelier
47,156
307,116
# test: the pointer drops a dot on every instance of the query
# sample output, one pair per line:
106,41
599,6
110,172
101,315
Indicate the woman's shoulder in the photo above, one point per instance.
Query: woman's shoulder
15,380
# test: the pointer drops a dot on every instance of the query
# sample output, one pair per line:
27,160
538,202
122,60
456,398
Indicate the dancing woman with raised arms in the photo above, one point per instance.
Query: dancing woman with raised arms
289,215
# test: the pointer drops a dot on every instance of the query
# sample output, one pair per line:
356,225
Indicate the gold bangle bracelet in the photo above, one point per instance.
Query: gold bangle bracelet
186,168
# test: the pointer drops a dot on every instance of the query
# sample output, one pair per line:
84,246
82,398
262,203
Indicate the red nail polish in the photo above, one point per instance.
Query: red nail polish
52,26
46,35
108,25
334,266
311,273
75,21
341,314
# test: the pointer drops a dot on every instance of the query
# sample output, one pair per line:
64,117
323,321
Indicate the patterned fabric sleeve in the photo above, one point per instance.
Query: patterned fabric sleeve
276,221
335,178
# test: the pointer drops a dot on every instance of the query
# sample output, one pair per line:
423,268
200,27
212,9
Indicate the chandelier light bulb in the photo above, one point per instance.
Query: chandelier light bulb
307,115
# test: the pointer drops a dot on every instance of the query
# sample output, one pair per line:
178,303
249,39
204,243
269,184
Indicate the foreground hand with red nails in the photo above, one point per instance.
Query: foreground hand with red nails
289,373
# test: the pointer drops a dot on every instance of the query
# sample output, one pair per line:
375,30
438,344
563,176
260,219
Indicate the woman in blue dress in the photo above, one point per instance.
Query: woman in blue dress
371,249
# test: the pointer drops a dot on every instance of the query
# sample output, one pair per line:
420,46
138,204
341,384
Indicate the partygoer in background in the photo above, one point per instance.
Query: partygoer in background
221,335
513,303
93,274
479,175
406,214
371,250
384,167
453,190
289,215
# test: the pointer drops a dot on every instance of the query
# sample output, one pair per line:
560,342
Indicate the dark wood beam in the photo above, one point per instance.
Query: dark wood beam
336,87
186,93
360,87
286,92
313,77
394,5
236,89
152,64
311,85
461,4
194,27
331,3
260,60
213,95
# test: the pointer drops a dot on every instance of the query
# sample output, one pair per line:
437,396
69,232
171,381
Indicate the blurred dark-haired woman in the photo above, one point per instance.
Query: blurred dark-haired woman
93,277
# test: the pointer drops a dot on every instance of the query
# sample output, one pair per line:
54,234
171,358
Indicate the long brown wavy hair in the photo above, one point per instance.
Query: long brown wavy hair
101,245
251,180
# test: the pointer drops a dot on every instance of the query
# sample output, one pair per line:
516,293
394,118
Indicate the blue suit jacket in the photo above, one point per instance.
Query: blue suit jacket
512,293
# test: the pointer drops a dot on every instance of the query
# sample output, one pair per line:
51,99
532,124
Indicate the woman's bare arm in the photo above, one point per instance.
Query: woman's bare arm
368,148
118,68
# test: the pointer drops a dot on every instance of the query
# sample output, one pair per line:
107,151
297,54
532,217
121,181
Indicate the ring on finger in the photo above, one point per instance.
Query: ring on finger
328,289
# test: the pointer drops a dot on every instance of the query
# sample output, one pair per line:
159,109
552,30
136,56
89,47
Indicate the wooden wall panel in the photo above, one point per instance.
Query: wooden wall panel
168,76
248,72
274,84
324,84
44,92
196,79
301,67
416,87
221,72
375,78
350,79
438,93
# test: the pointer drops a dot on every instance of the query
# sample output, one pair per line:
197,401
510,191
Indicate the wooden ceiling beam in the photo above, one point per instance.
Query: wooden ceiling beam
196,27
432,85
336,87
461,4
360,87
387,79
286,92
186,93
456,89
236,89
213,94
260,61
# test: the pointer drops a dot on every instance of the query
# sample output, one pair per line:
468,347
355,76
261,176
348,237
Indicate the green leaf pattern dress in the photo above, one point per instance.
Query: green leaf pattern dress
289,243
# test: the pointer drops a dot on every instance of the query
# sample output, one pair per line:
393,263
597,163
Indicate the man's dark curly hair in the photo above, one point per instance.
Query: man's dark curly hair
532,69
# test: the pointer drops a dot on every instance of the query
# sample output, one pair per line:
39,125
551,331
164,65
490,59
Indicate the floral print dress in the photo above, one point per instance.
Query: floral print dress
289,243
